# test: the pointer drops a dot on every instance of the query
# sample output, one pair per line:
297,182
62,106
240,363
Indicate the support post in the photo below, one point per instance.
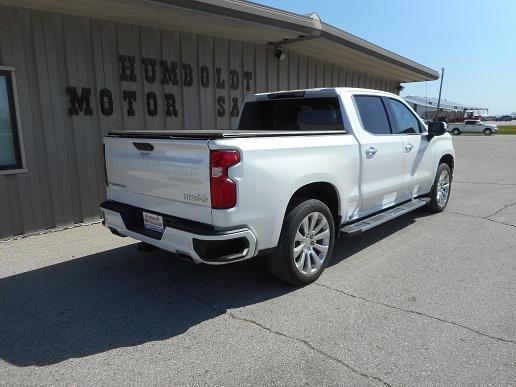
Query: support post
440,90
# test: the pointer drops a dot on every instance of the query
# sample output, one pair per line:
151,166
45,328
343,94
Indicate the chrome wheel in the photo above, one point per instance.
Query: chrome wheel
311,243
443,188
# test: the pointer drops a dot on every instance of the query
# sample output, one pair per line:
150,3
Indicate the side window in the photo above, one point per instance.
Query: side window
372,114
10,152
406,121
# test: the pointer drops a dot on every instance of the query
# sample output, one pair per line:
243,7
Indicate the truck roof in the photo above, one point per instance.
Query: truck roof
314,92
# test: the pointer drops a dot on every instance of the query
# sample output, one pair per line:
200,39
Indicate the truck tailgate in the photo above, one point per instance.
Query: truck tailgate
169,176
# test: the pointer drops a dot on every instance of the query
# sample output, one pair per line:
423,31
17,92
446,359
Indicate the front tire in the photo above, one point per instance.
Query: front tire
441,189
488,132
305,245
456,131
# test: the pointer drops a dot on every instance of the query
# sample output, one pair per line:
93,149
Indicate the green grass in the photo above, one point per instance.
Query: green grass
509,129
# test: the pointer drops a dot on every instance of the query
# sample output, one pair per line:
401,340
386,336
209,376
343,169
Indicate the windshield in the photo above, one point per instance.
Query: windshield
292,114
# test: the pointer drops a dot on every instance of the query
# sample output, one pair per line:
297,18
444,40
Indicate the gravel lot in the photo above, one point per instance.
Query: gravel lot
420,300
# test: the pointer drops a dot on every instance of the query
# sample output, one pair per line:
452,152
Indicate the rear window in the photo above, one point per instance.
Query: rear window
292,114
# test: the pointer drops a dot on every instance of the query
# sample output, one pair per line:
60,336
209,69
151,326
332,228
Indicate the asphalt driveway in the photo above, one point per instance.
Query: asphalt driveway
424,299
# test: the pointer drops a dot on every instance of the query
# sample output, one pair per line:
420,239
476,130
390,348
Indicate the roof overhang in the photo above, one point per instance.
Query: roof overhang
251,22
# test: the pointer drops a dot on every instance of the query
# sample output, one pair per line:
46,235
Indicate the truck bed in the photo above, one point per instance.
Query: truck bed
219,133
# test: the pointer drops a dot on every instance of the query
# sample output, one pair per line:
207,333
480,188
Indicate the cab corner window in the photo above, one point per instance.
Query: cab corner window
405,121
372,114
10,153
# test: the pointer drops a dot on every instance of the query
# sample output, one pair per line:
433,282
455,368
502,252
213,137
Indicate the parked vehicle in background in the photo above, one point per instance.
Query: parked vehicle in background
472,126
302,168
505,117
490,118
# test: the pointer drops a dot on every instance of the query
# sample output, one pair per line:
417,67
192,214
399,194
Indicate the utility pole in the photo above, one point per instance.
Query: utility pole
440,90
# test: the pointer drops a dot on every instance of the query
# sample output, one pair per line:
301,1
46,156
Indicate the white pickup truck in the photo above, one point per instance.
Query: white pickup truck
302,168
472,126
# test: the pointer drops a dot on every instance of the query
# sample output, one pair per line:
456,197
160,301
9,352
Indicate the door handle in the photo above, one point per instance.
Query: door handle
409,147
371,151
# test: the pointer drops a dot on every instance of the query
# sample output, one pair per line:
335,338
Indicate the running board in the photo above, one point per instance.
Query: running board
382,217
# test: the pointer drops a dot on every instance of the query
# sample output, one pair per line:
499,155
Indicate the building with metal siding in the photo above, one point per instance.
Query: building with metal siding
79,69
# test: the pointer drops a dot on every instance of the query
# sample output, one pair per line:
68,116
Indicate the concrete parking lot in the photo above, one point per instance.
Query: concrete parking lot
425,299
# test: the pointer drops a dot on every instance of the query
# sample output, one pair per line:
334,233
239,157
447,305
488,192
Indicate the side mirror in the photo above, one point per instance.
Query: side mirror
436,128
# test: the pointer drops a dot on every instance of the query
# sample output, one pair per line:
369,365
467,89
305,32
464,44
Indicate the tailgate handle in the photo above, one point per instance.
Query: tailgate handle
143,146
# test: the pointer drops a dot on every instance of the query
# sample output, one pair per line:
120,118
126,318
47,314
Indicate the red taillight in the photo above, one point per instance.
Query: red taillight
223,189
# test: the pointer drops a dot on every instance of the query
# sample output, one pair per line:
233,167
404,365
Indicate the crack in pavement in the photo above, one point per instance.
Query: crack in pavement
415,312
304,342
500,210
484,183
481,218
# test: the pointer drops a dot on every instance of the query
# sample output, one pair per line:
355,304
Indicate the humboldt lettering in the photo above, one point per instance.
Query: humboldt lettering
152,71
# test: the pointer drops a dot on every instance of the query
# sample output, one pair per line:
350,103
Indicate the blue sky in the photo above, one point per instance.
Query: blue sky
474,40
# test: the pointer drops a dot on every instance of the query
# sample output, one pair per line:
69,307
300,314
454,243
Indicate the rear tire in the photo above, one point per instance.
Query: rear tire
305,245
441,189
488,132
456,131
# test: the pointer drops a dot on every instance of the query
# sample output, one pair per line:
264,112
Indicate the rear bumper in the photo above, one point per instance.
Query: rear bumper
200,242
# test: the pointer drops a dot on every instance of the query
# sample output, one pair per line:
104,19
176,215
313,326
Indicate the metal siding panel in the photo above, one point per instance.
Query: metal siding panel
170,52
53,156
34,111
319,74
129,44
382,85
312,73
6,228
107,40
84,127
293,71
261,69
249,62
150,43
328,75
272,70
102,120
283,73
207,94
335,76
190,93
91,124
221,59
343,80
349,78
10,183
366,81
303,72
32,186
354,79
235,64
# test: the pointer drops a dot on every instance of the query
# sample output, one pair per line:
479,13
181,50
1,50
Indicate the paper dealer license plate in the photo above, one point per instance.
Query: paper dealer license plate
153,222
